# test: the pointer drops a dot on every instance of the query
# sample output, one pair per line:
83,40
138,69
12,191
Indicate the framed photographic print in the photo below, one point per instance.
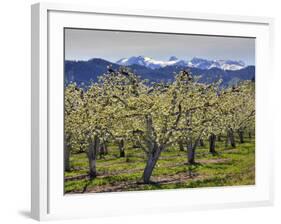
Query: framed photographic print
148,111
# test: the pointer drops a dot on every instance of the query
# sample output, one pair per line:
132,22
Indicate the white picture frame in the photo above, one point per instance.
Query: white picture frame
48,201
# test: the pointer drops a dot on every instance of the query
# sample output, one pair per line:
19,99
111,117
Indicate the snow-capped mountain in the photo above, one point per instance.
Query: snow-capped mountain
150,62
222,64
193,63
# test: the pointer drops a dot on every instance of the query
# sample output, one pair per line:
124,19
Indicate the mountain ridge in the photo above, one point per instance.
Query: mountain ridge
173,60
83,72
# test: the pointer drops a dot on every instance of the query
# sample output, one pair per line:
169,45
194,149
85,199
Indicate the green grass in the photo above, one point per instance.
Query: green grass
229,167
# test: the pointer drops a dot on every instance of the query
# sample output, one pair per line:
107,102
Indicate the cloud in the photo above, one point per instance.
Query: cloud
83,44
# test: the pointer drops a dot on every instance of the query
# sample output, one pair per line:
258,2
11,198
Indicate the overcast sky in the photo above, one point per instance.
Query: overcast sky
81,44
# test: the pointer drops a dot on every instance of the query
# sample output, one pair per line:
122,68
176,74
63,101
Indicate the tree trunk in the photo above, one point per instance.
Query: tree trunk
121,147
250,135
105,148
180,143
226,139
241,135
102,150
66,153
190,146
201,142
191,151
230,138
219,137
154,150
191,155
92,156
212,141
151,162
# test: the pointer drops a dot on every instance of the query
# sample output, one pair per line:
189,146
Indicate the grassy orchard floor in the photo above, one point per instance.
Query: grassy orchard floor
230,167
